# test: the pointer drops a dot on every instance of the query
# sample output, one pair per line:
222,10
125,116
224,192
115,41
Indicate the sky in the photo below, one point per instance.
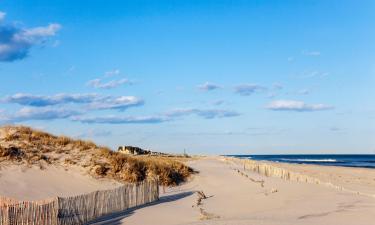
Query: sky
208,77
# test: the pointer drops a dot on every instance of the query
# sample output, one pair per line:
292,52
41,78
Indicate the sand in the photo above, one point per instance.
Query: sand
234,199
24,183
356,179
235,196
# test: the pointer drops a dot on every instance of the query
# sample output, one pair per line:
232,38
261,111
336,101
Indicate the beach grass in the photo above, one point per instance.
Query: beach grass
24,145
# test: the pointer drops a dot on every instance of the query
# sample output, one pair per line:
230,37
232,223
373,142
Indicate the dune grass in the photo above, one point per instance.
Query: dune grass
24,145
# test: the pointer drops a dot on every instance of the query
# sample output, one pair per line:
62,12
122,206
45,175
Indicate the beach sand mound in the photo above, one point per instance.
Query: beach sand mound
29,148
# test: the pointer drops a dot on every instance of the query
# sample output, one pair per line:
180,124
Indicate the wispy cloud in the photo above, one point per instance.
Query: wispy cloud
101,83
205,113
34,34
165,117
298,106
45,113
52,113
16,42
208,86
336,129
43,100
113,119
90,101
2,16
77,106
94,133
311,53
303,92
120,103
314,74
218,102
112,73
277,86
248,89
98,83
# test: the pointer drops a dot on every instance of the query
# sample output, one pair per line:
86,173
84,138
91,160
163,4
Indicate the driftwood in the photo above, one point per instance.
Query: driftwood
201,196
261,182
203,214
207,216
77,209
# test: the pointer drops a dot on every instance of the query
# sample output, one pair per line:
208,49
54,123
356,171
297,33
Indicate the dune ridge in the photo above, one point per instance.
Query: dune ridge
29,148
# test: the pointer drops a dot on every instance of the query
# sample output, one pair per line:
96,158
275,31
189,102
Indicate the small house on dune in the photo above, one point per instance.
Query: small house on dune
130,150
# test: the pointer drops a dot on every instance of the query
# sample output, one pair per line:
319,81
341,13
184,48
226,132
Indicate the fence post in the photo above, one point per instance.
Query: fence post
70,210
56,208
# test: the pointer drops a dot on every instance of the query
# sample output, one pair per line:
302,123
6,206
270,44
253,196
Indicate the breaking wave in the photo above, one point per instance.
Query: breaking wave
311,160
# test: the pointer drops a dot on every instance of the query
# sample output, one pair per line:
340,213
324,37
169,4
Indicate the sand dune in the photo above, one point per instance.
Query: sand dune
238,199
24,183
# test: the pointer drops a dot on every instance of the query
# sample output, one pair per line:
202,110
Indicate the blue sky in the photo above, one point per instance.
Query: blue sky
213,77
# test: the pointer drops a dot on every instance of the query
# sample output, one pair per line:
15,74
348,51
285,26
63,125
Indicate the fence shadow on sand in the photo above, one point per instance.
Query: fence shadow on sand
80,209
115,218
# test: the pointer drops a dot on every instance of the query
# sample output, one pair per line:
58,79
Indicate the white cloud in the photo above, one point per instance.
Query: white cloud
298,106
218,102
168,116
112,119
77,106
90,101
45,100
303,92
277,86
91,133
37,32
2,16
121,103
45,113
112,73
336,129
208,86
314,74
248,89
311,53
98,83
205,113
15,42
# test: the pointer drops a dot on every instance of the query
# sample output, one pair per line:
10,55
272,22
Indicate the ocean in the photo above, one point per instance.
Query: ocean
365,161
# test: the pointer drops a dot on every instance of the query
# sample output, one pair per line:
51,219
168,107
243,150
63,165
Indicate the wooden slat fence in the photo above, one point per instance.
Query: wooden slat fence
78,209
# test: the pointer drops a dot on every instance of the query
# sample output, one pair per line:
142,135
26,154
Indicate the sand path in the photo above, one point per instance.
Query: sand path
235,199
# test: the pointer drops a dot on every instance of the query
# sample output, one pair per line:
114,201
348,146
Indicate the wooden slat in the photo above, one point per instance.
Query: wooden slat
78,209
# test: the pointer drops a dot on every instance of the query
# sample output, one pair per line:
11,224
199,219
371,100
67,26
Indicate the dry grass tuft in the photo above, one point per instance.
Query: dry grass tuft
20,144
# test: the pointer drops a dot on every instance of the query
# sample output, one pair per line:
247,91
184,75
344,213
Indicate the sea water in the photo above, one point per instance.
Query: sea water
366,161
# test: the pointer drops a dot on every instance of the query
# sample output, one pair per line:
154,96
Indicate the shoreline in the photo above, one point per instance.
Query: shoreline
241,197
349,179
339,160
243,191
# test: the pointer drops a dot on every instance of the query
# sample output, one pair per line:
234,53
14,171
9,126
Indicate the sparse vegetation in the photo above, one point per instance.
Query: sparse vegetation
23,145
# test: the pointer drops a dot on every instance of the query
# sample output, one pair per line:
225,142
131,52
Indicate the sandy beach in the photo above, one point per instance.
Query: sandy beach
236,199
29,184
209,112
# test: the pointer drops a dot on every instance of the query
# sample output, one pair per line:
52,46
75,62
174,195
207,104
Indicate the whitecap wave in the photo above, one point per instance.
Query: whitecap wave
312,160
